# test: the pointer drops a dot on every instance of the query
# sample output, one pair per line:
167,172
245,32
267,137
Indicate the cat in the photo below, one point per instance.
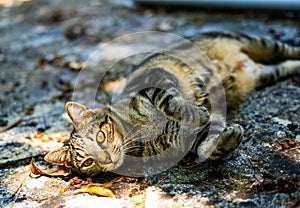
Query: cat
170,107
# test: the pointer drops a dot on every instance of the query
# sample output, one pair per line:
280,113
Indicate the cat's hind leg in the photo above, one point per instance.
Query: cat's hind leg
217,148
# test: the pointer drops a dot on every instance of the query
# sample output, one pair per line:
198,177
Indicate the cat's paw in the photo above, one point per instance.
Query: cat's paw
203,116
229,140
187,113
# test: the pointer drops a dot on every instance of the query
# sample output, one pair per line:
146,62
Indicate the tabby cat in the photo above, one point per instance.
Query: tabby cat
166,108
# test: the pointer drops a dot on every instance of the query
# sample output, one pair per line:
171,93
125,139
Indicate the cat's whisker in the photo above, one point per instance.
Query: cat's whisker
131,148
131,136
130,141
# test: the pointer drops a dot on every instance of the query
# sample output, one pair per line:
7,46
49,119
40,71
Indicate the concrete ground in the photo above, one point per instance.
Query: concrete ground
44,43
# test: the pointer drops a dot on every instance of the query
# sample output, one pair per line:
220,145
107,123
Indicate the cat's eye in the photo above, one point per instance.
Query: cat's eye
87,162
100,137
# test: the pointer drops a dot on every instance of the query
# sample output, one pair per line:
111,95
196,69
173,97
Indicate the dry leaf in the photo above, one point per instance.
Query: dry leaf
76,66
45,138
292,144
288,144
53,172
116,86
294,203
75,180
96,190
63,190
125,179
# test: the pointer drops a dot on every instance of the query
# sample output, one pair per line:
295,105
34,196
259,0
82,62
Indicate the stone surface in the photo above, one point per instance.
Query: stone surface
43,45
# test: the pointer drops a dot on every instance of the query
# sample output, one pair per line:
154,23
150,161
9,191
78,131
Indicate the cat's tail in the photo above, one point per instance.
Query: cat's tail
260,49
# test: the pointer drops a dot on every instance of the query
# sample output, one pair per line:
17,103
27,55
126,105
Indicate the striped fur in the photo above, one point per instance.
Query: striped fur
173,102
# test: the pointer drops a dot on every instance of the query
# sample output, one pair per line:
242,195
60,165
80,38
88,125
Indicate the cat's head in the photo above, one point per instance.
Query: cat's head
95,144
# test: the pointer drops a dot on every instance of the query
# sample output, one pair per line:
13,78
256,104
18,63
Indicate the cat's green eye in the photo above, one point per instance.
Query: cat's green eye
100,137
87,162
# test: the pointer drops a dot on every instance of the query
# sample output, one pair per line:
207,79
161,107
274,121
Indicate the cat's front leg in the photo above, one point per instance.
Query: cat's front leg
177,108
186,113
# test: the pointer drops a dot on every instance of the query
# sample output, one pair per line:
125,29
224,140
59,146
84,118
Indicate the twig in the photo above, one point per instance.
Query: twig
18,188
164,178
11,125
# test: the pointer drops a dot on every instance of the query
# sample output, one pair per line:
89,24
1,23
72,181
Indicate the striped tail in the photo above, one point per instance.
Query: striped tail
260,49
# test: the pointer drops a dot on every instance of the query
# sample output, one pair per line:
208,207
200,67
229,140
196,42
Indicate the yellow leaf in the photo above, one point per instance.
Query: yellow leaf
96,190
116,86
53,172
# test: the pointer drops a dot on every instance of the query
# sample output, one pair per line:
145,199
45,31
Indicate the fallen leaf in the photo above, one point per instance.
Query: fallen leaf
116,86
53,172
63,190
285,146
292,144
125,179
96,190
45,138
288,144
294,203
75,181
84,184
29,111
254,159
61,61
76,66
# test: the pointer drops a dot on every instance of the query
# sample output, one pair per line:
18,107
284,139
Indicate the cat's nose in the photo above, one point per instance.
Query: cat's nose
107,159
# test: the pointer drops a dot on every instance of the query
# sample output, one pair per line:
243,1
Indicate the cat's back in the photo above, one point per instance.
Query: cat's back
206,61
193,64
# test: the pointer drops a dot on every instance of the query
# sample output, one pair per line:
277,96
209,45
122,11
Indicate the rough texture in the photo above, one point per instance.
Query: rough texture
42,46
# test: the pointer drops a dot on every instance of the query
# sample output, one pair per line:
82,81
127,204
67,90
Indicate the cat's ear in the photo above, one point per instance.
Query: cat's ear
78,112
59,156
